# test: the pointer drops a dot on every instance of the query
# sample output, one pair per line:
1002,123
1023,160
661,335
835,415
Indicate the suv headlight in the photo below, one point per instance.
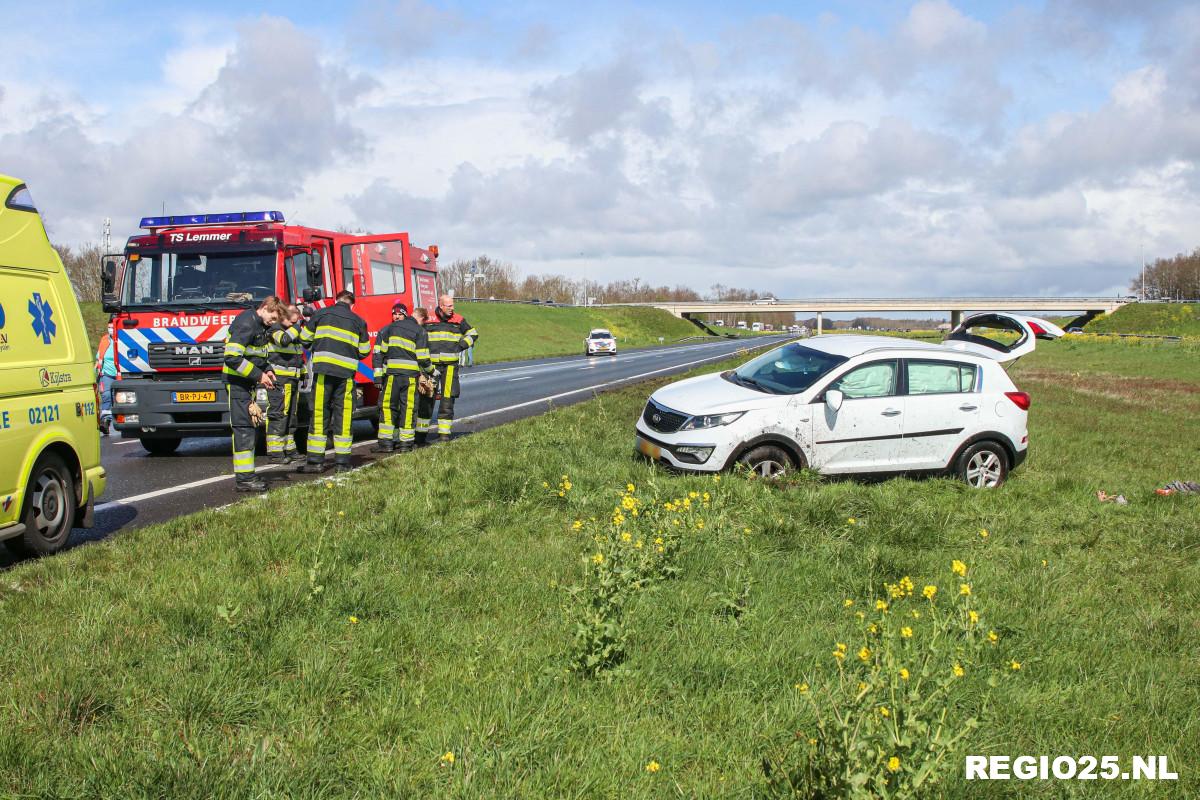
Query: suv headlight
711,420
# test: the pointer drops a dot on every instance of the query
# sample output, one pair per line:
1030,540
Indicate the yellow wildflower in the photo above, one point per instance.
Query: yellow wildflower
864,653
627,536
629,488
964,588
862,687
993,637
1043,562
448,757
852,520
860,615
693,495
658,540
707,497
653,766
638,544
906,632
959,671
1015,665
983,534
929,592
915,614
847,602
802,687
598,558
903,674
700,525
973,616
884,712
659,549
353,620
881,605
959,568
545,484
893,764
872,628
578,524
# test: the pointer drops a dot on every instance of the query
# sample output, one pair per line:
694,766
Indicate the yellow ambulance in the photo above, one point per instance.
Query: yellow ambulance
50,473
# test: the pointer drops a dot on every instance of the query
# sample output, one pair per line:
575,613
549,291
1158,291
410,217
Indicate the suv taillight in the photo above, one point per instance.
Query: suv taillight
1020,399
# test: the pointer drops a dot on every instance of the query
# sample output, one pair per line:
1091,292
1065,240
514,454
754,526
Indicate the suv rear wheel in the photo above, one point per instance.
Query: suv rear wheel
983,465
767,461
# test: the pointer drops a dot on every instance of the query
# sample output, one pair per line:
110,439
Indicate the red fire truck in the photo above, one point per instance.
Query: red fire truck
180,285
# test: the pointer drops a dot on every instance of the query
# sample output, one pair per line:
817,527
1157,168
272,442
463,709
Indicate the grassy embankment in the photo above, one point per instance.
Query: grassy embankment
1163,319
510,331
344,640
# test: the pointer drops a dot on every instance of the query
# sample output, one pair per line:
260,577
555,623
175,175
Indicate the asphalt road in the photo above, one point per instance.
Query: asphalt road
144,489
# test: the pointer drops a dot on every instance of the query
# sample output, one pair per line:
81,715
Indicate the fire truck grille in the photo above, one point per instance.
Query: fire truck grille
661,419
186,356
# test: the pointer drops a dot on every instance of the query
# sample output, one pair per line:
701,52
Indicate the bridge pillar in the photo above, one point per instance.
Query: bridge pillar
955,319
820,323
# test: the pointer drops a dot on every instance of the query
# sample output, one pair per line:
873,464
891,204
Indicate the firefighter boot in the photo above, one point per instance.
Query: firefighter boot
249,483
384,446
404,447
443,437
279,458
342,465
311,467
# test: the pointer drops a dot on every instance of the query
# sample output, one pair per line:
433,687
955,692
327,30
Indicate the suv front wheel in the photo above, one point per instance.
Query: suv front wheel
983,465
767,461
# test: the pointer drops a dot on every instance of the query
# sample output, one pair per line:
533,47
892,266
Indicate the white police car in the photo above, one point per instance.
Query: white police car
600,342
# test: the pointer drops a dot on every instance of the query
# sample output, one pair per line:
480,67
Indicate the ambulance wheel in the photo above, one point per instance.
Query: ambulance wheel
49,509
161,446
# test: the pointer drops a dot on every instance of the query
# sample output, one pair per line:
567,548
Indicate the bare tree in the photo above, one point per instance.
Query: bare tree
83,269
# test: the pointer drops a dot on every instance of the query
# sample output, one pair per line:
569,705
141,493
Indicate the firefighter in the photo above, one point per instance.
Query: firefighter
449,335
401,355
337,340
246,369
286,358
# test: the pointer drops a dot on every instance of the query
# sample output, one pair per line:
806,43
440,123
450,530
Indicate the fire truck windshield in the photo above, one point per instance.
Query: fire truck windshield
190,279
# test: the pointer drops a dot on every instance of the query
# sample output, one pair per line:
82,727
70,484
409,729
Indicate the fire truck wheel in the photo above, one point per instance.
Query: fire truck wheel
161,446
49,509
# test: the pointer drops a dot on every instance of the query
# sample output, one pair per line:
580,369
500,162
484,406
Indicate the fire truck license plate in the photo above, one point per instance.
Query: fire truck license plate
194,397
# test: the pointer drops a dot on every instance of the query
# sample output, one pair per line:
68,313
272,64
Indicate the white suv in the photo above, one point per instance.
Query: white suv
857,404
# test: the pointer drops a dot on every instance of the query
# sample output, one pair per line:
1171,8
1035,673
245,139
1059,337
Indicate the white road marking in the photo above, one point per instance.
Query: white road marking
137,498
522,378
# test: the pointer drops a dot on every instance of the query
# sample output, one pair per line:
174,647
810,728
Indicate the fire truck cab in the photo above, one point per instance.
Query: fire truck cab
175,290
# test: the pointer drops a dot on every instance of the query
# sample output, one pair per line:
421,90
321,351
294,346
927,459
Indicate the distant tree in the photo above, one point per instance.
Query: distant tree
83,269
1176,278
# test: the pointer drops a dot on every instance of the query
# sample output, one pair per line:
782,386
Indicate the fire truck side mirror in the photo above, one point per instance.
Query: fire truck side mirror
108,285
312,294
315,268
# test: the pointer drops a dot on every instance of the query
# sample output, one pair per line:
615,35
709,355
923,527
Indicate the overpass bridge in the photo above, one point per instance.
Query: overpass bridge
955,306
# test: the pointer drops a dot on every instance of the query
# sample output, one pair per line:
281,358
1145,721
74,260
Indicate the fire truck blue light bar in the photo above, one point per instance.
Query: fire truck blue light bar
212,219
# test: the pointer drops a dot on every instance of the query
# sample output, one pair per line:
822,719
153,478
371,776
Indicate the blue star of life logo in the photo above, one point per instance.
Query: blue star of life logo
43,318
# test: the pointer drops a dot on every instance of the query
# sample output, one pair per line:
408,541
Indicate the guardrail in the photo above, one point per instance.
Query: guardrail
1132,336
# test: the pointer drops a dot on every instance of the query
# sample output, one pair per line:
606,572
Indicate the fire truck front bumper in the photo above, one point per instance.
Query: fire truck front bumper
152,408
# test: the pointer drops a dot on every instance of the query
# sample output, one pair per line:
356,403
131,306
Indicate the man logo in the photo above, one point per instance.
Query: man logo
194,350
193,361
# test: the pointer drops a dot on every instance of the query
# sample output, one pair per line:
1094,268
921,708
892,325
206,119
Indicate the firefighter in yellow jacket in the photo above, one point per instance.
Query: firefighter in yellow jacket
401,355
286,358
449,334
245,369
337,340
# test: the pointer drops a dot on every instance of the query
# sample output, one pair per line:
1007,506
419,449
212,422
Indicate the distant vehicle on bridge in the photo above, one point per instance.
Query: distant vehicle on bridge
766,301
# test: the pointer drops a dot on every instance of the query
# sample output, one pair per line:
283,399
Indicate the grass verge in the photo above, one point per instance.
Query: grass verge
409,630
1163,319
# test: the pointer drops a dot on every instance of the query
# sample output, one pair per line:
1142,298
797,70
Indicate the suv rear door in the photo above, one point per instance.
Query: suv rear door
941,410
1016,335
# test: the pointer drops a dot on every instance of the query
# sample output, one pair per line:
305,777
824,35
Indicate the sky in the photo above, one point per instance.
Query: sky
810,150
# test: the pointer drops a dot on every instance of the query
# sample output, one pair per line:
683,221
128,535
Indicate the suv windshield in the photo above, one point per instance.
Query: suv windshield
786,370
188,279
601,335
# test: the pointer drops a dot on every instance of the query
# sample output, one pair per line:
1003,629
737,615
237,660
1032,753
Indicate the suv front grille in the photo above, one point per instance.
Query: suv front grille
180,355
662,419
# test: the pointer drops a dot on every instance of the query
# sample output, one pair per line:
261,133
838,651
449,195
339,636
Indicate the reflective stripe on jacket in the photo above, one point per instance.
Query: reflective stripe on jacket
448,337
402,348
337,339
246,348
285,353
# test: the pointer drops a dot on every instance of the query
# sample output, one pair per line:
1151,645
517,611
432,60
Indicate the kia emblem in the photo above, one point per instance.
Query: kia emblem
656,418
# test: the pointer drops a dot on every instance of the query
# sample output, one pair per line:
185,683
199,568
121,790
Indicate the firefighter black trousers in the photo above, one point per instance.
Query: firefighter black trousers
397,408
281,415
333,413
244,435
447,390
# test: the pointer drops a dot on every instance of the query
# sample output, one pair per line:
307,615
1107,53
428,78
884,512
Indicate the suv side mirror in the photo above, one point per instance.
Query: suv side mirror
834,398
312,294
316,268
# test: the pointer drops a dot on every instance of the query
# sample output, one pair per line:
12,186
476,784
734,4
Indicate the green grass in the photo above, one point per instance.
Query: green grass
95,321
1163,319
215,655
515,331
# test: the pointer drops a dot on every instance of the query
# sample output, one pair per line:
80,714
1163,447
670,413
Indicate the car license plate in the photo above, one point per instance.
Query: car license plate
194,397
647,449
